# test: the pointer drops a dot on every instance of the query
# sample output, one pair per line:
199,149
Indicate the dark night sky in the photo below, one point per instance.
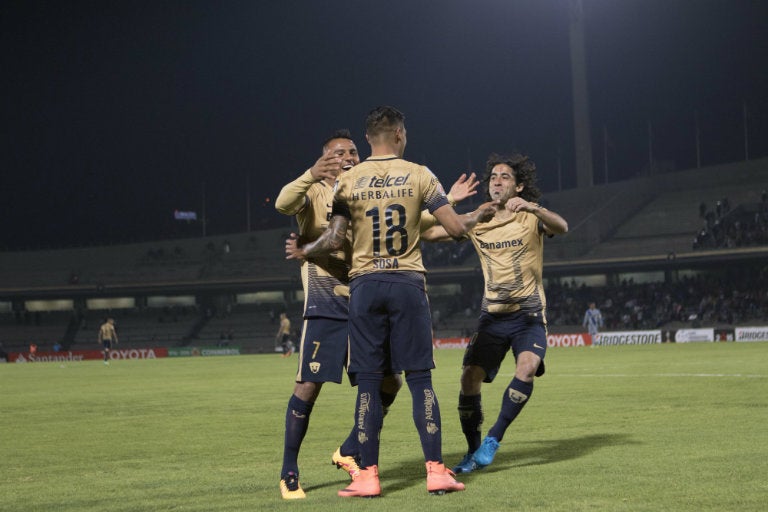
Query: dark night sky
116,113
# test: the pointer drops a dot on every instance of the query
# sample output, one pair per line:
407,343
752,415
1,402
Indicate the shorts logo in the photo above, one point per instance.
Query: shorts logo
535,345
314,367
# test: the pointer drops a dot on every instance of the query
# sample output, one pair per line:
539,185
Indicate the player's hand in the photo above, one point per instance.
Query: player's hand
464,187
327,166
487,210
518,204
292,249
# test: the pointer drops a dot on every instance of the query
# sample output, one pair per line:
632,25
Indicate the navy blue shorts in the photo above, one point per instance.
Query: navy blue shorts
323,350
107,344
496,334
389,316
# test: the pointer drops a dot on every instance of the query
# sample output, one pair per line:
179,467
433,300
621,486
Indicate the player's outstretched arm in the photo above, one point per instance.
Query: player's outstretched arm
456,226
332,239
293,196
436,234
463,188
552,222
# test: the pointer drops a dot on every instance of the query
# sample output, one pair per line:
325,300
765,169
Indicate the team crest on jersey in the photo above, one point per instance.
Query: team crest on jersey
314,367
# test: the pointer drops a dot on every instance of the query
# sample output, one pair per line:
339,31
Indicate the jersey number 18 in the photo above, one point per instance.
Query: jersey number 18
392,229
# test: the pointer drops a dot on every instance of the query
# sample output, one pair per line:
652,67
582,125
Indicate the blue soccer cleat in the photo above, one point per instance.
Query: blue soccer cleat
467,465
484,455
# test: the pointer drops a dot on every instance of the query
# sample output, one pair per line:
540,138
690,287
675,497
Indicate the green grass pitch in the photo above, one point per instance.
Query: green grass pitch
636,428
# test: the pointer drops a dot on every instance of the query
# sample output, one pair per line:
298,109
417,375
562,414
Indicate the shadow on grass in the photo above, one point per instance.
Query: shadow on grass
536,453
410,473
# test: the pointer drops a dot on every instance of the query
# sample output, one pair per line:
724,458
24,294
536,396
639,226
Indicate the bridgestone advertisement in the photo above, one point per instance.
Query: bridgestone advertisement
751,333
627,338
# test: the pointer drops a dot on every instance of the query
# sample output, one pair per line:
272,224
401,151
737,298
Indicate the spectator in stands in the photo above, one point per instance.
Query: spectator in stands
32,349
3,353
107,335
593,321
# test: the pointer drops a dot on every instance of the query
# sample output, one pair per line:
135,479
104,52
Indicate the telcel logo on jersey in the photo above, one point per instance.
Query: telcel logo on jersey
388,181
379,182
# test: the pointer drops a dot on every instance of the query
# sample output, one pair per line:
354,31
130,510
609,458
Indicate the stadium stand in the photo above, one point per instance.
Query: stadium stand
645,224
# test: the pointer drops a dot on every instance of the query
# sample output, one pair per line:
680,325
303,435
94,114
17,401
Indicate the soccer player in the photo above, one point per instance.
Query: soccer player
380,201
593,320
283,335
323,347
107,334
513,308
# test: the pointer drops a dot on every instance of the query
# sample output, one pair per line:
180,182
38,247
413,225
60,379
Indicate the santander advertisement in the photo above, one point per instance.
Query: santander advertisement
83,355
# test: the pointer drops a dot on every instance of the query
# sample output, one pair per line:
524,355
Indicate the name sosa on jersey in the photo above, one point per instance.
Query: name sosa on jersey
388,263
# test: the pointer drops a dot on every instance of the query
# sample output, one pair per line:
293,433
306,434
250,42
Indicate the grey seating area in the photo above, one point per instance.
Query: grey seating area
644,217
151,327
652,215
44,329
252,327
159,263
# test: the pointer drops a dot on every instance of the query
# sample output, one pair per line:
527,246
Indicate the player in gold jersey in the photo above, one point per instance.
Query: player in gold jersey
380,201
107,334
323,346
513,309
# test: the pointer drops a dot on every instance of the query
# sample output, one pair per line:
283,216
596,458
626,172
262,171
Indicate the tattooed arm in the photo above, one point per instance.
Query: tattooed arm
331,240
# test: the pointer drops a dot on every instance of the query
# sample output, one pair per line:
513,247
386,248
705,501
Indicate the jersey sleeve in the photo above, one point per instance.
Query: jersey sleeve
293,197
434,196
340,205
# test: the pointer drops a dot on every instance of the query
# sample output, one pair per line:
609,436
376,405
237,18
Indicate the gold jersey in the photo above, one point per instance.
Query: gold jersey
511,253
311,201
285,326
107,332
383,198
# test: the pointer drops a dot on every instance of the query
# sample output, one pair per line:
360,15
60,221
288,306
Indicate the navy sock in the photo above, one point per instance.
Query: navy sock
350,447
426,414
368,417
471,418
515,398
296,424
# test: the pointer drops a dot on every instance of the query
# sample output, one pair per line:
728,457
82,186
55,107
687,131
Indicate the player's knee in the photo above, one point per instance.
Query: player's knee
307,391
392,383
472,380
418,377
527,371
527,365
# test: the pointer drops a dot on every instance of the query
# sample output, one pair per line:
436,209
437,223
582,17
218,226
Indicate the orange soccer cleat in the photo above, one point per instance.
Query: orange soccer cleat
440,479
366,484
